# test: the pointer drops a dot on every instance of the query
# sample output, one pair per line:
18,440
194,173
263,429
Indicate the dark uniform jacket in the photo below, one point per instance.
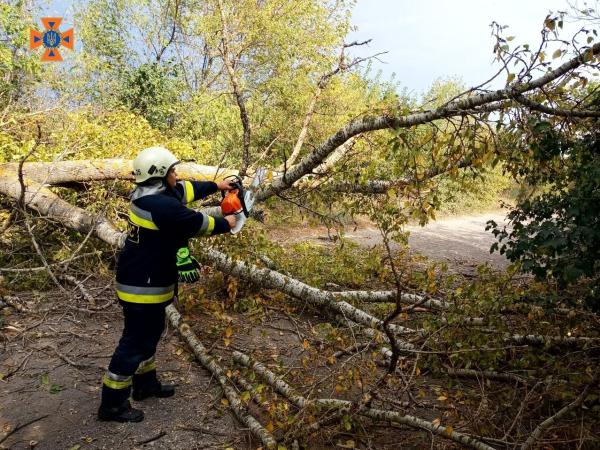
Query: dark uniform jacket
160,224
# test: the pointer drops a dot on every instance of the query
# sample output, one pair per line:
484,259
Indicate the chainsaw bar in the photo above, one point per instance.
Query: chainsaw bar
249,198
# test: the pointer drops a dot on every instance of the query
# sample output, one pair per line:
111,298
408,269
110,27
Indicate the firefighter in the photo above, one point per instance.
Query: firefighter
160,224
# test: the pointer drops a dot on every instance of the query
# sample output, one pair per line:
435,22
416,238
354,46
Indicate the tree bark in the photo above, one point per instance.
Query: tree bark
61,172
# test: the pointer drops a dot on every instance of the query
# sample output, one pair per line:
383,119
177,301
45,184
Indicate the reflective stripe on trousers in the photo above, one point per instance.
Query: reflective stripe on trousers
114,381
139,294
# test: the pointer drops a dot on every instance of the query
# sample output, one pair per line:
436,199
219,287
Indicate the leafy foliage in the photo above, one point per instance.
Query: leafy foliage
18,67
151,90
556,233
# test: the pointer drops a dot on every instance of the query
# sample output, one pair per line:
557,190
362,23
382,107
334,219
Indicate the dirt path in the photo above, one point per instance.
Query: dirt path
456,240
51,363
462,241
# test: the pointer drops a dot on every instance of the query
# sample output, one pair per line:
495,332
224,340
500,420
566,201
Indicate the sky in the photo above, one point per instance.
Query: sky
431,39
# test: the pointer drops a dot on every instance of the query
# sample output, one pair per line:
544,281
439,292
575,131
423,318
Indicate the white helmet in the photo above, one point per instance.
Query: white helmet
153,163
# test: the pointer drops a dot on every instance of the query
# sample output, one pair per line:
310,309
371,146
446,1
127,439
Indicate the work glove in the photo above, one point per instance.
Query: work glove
187,266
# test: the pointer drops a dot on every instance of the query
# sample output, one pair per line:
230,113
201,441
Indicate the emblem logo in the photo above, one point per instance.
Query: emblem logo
51,38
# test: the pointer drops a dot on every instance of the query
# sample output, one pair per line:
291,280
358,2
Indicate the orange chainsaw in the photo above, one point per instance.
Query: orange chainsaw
239,201
234,202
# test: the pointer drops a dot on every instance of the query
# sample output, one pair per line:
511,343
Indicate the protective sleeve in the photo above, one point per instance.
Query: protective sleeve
186,223
195,190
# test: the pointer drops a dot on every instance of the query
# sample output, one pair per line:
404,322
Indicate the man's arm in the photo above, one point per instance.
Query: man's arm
197,190
187,223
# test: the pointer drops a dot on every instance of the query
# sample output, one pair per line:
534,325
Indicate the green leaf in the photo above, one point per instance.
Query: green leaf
511,76
55,388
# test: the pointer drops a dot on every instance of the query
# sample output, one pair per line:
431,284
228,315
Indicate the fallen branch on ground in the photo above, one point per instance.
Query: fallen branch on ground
209,363
267,278
388,297
301,402
486,374
542,427
79,285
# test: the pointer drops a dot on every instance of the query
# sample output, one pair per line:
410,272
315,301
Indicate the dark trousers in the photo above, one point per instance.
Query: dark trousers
143,326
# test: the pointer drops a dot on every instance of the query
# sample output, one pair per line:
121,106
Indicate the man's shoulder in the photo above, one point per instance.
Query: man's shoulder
157,202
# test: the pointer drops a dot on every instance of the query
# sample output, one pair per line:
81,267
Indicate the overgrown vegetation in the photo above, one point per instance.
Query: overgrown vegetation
555,233
502,357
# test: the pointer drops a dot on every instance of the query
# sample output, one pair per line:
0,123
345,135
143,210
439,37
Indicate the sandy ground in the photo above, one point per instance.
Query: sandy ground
462,241
457,240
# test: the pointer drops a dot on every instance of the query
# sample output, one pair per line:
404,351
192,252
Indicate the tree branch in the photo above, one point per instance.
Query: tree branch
377,414
542,427
211,364
235,84
456,108
583,113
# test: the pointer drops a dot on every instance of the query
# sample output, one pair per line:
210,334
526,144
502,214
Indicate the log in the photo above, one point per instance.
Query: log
60,172
48,204
267,278
389,297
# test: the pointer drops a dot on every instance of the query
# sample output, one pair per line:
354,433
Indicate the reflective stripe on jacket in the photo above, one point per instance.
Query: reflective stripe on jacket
159,224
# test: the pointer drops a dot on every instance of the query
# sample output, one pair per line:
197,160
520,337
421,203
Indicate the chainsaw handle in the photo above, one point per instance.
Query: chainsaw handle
234,184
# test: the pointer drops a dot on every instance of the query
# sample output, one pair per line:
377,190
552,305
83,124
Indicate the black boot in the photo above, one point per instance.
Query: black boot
146,385
115,405
123,413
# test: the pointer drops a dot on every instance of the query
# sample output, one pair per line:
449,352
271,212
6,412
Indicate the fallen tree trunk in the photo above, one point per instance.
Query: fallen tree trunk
389,297
377,414
268,278
50,205
60,172
536,339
